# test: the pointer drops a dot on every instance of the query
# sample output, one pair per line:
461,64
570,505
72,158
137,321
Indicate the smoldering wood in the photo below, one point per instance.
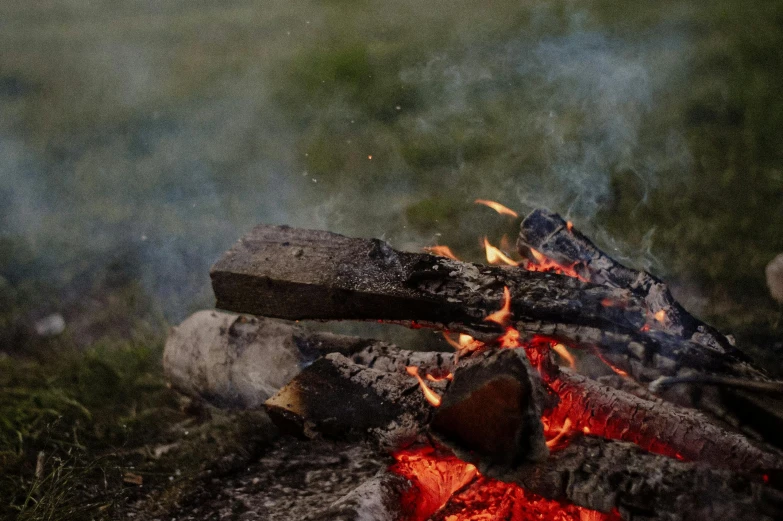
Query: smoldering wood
602,475
704,352
551,235
339,399
291,273
655,425
228,360
491,412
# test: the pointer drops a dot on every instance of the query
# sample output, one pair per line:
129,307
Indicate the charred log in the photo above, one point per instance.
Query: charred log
654,425
339,399
551,235
291,273
605,475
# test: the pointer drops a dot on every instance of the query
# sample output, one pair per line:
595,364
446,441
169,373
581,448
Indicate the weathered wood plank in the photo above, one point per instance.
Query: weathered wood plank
283,272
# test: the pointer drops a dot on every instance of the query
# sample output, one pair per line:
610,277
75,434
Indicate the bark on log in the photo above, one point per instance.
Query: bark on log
341,400
490,414
235,361
704,350
602,475
656,426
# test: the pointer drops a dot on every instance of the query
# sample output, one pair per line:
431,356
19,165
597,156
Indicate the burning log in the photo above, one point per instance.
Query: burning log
339,399
549,234
723,382
490,413
290,273
296,274
656,426
491,406
603,475
236,362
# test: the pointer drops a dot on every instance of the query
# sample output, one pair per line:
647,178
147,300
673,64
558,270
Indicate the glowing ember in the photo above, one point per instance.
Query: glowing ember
503,315
569,226
495,256
499,208
429,394
442,251
562,350
610,365
510,339
448,489
435,478
543,263
563,431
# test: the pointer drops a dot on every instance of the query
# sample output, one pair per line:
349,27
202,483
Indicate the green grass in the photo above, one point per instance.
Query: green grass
77,428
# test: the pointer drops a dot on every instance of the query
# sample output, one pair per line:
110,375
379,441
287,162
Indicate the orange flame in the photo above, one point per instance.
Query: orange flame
562,350
465,342
449,377
510,339
660,316
442,251
495,256
563,431
569,226
503,315
610,365
499,208
543,263
429,394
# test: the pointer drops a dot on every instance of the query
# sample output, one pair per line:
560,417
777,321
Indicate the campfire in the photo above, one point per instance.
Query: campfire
682,426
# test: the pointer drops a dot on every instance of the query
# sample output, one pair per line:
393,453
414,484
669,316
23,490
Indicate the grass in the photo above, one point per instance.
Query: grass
87,434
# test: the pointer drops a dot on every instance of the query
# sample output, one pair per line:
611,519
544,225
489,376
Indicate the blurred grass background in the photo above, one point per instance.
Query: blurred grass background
139,139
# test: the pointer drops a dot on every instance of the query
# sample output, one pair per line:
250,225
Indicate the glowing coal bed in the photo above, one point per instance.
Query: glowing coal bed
448,489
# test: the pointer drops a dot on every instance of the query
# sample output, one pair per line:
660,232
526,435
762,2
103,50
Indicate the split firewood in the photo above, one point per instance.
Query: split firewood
489,414
342,400
291,273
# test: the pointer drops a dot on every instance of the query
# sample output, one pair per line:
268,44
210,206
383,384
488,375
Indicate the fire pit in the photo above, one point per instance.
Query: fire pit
685,427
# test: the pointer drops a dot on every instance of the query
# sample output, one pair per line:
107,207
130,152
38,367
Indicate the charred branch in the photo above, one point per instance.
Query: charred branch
549,234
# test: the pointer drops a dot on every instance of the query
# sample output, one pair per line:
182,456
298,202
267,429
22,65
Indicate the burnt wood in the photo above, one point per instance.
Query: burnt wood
284,272
292,273
603,475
